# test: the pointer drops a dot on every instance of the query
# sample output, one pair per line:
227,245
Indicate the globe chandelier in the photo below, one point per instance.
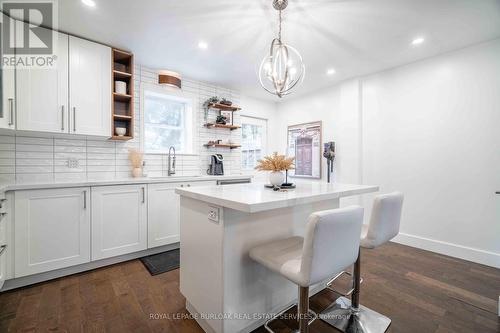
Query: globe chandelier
283,69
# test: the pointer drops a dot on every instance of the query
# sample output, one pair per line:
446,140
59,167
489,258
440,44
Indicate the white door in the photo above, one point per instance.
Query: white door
42,94
119,220
90,87
52,229
7,90
163,214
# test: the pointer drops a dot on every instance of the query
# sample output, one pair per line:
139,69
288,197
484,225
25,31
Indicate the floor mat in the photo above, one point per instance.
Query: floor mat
162,262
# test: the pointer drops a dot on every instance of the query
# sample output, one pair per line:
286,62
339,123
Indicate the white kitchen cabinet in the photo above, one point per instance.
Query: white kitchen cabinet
7,90
3,240
52,229
42,94
3,264
90,87
119,220
163,212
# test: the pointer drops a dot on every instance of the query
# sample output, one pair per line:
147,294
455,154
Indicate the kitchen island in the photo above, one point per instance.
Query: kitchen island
225,290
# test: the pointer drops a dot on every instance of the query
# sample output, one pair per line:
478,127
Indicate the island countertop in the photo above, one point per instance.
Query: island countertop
254,197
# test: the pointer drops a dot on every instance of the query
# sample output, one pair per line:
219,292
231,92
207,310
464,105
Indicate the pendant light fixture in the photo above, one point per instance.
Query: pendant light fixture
283,68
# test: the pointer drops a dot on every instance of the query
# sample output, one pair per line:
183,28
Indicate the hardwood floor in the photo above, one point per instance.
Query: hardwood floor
420,291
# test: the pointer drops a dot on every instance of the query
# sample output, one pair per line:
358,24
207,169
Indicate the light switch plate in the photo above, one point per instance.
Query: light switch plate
213,214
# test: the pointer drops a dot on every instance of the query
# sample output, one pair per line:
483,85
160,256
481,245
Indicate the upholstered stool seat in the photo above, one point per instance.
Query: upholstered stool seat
330,244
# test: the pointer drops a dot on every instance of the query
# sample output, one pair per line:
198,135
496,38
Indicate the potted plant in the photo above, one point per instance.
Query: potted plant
276,164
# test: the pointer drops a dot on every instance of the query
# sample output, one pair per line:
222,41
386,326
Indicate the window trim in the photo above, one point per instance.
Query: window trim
254,121
176,94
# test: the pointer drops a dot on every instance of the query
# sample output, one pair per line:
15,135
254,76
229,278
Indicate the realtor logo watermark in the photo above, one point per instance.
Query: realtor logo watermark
28,40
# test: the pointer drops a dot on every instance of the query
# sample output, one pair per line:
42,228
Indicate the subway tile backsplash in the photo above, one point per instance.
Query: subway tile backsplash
42,158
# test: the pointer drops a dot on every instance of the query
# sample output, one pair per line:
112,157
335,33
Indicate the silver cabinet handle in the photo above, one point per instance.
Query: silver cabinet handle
74,119
11,111
84,199
497,192
2,248
188,185
143,195
182,185
62,118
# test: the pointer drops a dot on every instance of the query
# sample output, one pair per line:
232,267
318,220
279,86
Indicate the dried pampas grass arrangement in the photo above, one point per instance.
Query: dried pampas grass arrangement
135,158
275,162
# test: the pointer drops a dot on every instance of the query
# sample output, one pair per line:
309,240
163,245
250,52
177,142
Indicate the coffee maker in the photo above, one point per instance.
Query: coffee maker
216,165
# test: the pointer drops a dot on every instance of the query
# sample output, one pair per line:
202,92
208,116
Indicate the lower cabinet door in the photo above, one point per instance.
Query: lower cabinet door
163,214
119,220
52,229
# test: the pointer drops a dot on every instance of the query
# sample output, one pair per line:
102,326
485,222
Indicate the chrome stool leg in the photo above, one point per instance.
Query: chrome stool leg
303,312
351,317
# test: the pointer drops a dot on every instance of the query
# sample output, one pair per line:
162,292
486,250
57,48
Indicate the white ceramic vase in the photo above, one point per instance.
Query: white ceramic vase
136,172
276,178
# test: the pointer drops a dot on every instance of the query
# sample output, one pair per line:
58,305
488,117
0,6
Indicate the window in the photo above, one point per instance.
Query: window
253,141
167,122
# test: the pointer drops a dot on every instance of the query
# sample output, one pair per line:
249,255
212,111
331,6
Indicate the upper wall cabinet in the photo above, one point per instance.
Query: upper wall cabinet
7,92
42,94
89,87
72,97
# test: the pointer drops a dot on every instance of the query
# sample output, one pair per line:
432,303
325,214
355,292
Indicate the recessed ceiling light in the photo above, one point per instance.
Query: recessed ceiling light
90,3
417,41
202,45
330,71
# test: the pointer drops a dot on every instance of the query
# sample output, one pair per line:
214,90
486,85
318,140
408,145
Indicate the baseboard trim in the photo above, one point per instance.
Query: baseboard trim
41,277
453,250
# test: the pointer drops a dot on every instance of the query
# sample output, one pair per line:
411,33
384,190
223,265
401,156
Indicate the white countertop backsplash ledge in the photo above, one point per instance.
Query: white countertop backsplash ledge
4,187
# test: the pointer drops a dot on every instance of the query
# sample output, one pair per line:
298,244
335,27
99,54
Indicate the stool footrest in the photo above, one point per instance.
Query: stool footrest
349,292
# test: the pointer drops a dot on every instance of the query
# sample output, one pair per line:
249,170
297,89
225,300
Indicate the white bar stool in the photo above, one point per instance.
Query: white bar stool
383,226
331,244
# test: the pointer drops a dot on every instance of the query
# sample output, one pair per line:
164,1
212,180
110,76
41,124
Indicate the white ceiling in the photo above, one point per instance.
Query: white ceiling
356,37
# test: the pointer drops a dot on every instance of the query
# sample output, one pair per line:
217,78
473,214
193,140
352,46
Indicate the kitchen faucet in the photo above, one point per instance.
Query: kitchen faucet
171,161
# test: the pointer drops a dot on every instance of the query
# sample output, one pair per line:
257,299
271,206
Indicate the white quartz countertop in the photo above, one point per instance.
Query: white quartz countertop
251,198
123,181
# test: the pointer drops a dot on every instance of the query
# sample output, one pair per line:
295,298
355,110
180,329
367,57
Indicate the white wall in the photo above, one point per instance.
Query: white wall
429,129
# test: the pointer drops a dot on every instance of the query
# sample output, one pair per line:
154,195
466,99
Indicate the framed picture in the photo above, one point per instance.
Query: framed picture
304,142
229,117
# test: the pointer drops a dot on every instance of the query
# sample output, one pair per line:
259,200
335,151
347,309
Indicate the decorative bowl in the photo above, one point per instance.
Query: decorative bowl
120,131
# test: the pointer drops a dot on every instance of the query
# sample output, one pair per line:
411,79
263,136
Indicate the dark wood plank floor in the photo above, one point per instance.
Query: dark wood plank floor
420,291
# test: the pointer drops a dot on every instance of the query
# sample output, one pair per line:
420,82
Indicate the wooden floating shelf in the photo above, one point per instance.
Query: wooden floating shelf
231,127
121,138
121,75
122,97
221,145
223,107
123,117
